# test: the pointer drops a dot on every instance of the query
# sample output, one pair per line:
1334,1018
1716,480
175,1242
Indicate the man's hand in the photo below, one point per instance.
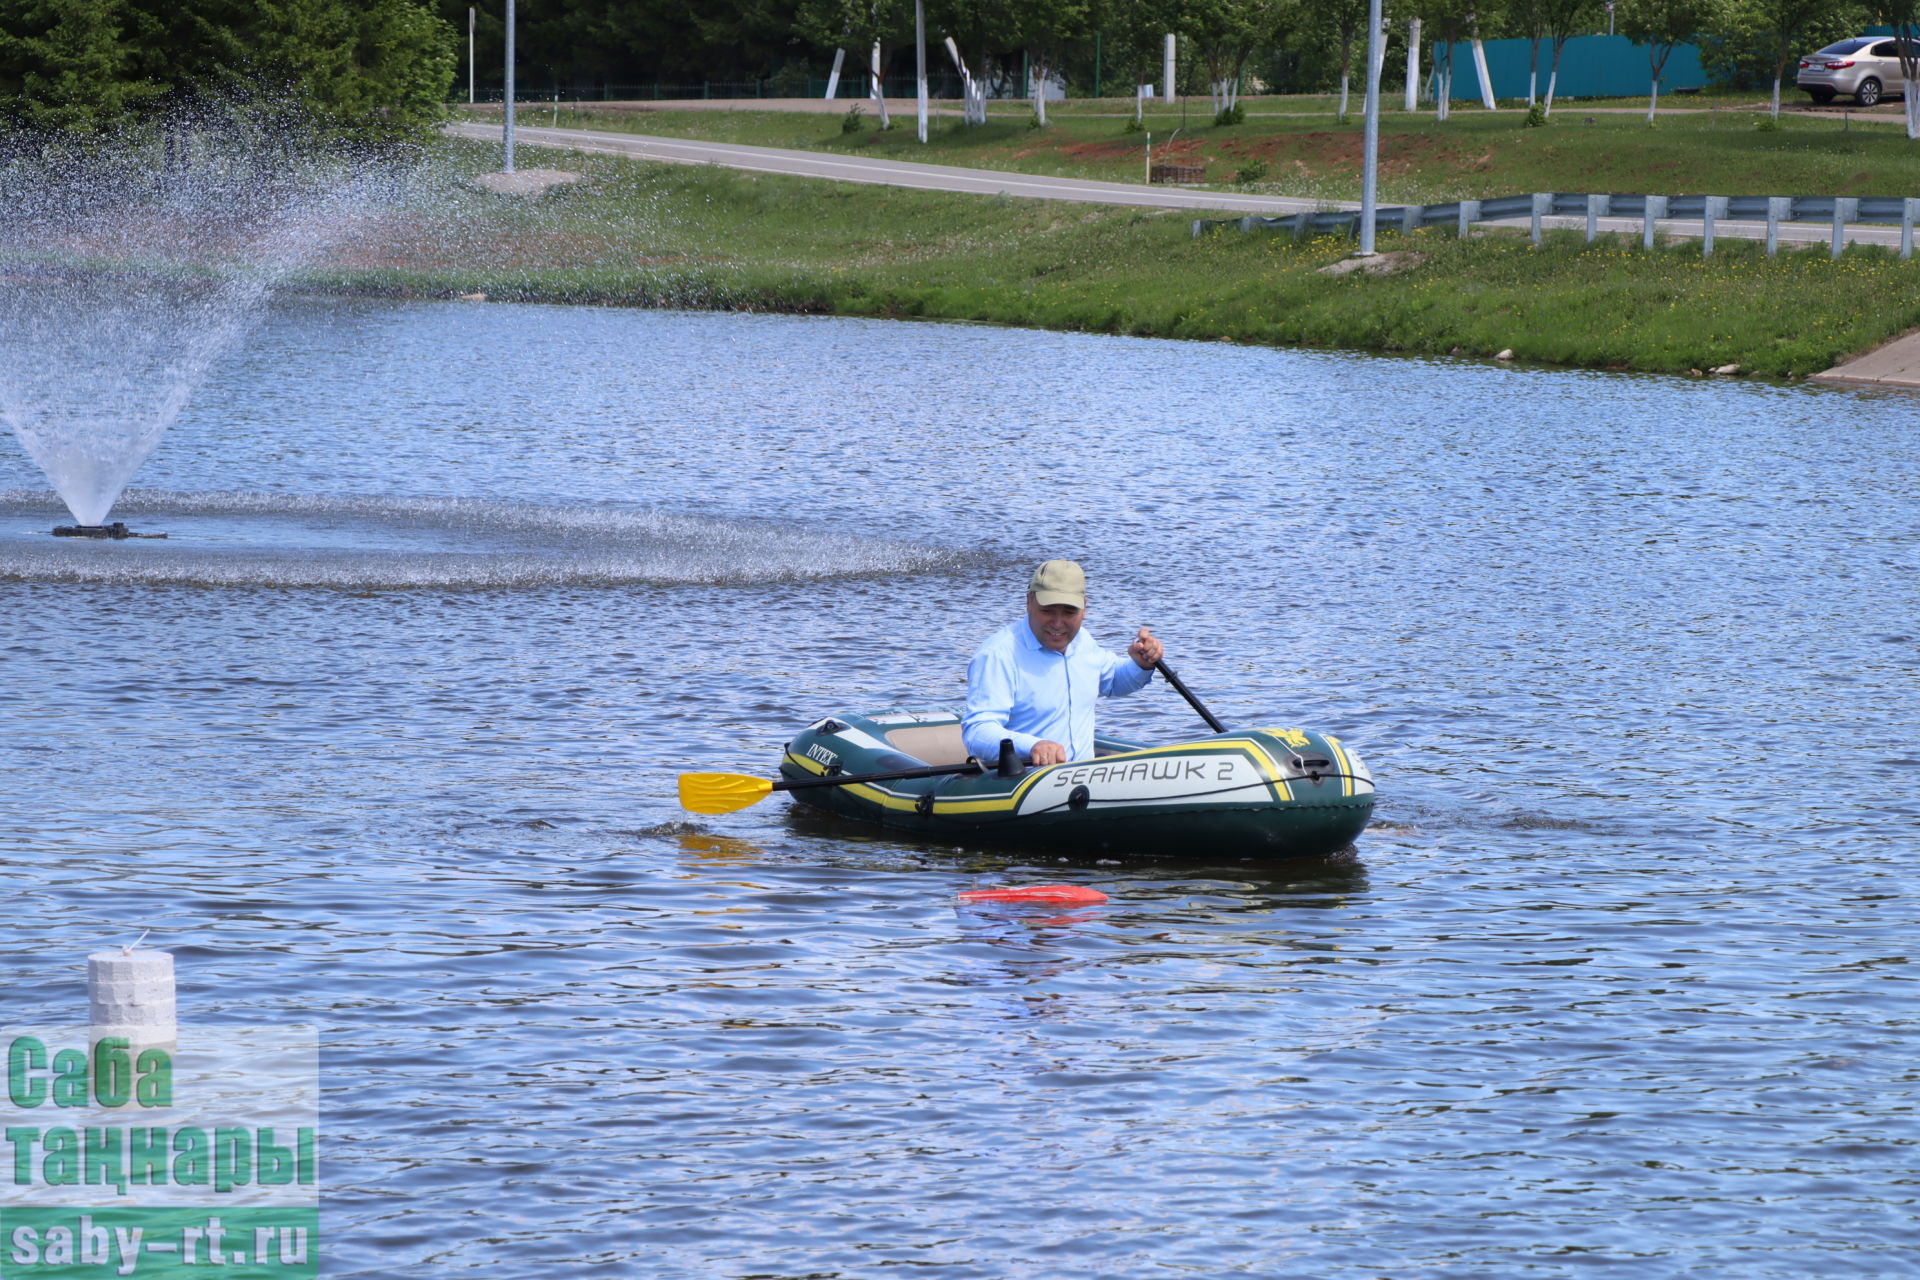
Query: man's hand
1045,753
1145,650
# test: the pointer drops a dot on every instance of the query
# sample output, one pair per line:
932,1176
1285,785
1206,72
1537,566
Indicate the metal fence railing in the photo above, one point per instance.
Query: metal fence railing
1838,211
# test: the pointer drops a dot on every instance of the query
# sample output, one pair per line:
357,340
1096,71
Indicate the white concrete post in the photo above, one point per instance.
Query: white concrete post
1656,210
1469,214
920,60
1542,206
1716,209
1166,71
1598,207
833,77
130,994
1413,65
1480,67
1845,210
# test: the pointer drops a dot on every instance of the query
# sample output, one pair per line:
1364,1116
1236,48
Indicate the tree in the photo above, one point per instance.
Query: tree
1660,25
1562,20
1135,32
1225,33
373,70
1529,17
1342,22
64,64
1787,23
865,26
1445,21
1904,17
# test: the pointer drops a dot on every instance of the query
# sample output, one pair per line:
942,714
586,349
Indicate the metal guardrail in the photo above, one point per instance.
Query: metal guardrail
1837,211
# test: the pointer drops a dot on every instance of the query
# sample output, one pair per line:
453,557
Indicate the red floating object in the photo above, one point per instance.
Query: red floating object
1071,895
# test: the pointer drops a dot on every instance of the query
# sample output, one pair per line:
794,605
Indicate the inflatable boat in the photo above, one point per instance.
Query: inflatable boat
1276,793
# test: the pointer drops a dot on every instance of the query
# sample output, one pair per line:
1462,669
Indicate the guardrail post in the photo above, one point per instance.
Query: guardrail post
1410,219
1845,210
1715,210
1197,225
1908,208
1656,209
1246,224
1542,205
1598,207
1469,214
1778,207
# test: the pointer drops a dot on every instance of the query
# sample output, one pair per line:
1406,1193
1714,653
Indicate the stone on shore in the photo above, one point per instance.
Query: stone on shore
525,182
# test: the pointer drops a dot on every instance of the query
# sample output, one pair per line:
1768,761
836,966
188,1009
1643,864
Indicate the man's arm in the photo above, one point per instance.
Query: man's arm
990,699
1122,676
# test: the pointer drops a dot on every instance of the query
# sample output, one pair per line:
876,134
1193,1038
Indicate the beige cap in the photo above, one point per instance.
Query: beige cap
1059,582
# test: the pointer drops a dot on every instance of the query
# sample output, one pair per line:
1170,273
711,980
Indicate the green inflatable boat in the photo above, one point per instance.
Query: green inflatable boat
1273,793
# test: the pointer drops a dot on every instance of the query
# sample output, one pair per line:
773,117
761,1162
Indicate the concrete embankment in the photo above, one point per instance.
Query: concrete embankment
1896,364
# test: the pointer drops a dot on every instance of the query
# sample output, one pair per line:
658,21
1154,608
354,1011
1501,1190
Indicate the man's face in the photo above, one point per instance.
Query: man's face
1054,625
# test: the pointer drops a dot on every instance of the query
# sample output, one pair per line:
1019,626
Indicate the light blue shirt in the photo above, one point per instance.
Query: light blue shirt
1018,688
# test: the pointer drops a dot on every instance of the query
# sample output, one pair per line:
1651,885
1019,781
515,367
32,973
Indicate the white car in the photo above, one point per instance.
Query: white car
1861,68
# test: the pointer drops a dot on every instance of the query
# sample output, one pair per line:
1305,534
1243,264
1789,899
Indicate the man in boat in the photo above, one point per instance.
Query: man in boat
1035,680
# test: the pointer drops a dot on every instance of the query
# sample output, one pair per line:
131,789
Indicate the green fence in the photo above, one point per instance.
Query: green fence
1590,67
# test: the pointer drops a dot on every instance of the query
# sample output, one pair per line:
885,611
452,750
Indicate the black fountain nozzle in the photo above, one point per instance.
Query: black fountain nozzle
116,531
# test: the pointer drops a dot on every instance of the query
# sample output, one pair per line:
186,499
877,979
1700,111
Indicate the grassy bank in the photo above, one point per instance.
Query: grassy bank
1718,151
651,235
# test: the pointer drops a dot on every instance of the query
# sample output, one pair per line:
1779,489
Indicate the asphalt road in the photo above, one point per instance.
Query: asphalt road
893,173
937,177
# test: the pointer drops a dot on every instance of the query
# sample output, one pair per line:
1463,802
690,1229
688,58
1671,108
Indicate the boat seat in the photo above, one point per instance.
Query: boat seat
934,743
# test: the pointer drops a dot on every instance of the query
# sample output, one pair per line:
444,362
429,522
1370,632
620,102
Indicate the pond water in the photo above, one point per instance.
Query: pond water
383,739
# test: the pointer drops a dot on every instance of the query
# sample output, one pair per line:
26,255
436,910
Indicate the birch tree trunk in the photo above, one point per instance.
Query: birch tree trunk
1653,100
1343,97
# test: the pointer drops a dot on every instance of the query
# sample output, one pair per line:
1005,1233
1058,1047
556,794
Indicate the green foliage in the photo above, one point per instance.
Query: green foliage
1767,124
64,65
1133,126
1226,116
1251,171
850,122
1537,117
372,70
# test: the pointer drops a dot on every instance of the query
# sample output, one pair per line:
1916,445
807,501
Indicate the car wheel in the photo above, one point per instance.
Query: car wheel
1868,93
1821,97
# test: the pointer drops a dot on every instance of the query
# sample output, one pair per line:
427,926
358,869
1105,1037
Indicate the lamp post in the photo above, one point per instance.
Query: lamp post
508,165
1370,164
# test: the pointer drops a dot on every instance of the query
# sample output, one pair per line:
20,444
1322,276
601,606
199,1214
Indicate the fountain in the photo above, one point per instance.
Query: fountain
129,265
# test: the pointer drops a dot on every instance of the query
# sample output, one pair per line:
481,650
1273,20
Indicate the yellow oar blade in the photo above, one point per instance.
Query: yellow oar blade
721,792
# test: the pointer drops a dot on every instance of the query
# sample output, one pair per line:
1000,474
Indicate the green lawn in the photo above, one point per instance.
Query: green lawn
702,236
1718,151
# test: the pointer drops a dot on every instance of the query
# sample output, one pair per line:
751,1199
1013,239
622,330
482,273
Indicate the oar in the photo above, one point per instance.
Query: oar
726,792
1192,701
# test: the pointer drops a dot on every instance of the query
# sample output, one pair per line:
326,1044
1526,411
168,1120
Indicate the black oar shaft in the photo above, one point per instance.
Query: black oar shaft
1195,703
847,779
